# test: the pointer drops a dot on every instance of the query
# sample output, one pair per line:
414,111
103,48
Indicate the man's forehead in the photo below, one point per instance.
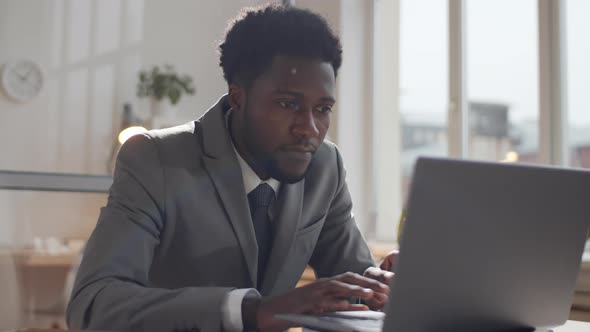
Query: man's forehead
290,66
286,73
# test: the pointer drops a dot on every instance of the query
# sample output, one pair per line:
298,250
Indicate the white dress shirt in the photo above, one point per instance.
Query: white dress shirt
231,307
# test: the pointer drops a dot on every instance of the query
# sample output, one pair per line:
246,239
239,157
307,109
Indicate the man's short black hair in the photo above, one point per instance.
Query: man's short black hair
256,36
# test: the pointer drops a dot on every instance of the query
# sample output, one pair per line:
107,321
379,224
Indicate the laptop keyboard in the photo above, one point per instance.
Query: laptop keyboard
355,322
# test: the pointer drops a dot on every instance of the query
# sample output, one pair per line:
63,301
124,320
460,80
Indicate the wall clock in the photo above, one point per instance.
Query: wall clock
21,80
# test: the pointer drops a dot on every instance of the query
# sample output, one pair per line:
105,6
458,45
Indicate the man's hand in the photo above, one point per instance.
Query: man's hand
323,295
389,262
384,276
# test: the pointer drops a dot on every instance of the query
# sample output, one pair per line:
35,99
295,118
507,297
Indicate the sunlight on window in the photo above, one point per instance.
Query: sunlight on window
578,83
502,79
134,21
511,157
74,121
108,16
79,30
423,82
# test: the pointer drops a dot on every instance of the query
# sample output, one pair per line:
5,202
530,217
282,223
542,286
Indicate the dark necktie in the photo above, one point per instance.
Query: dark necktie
260,199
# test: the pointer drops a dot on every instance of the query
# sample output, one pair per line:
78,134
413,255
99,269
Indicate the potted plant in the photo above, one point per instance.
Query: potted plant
164,87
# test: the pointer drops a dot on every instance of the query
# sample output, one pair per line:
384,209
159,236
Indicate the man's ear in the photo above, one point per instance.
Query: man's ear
237,97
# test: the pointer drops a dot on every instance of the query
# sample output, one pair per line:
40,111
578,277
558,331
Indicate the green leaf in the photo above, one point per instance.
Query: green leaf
165,83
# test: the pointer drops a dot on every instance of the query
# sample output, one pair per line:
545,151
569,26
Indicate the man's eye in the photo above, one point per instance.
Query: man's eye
325,109
290,105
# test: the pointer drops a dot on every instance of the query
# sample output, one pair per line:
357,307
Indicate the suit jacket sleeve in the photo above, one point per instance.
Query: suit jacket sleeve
112,290
341,246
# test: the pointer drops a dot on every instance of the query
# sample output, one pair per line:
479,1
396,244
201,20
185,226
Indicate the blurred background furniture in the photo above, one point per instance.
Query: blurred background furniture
36,277
581,304
10,305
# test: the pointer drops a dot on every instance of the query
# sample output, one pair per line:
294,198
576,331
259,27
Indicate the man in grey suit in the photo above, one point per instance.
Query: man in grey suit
209,225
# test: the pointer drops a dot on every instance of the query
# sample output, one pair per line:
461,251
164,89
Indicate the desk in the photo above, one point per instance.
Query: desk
574,326
32,259
570,326
42,285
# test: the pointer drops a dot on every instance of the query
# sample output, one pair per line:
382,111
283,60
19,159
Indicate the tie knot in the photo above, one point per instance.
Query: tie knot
262,196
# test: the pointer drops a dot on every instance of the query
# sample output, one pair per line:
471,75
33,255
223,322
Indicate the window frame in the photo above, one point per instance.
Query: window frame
553,140
552,94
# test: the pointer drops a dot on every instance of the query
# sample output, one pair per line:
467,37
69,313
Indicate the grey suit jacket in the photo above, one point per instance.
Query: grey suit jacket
176,234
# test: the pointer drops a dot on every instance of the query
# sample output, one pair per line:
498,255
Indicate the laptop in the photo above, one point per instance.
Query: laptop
486,247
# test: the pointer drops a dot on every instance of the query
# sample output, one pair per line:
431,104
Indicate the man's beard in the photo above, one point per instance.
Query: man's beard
269,164
276,173
267,161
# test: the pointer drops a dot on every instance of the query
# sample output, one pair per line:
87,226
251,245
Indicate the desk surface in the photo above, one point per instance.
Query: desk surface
574,326
31,259
570,326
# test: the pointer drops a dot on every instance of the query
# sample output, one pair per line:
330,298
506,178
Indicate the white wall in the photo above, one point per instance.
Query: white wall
23,33
351,125
91,51
386,142
186,33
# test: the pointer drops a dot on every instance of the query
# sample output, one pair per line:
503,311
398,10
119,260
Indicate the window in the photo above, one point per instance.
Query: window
502,80
423,83
496,57
90,52
578,82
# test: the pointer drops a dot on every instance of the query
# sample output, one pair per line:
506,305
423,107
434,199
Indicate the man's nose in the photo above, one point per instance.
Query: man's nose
305,124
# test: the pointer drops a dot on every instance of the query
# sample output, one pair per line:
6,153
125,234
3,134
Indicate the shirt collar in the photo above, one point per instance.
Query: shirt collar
250,178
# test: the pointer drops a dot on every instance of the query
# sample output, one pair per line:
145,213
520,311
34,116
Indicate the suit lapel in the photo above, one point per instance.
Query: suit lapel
225,173
289,204
228,183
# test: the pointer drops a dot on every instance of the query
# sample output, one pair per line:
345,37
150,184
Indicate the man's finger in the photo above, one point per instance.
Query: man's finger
377,302
357,279
338,305
382,276
389,262
357,307
376,305
339,289
380,297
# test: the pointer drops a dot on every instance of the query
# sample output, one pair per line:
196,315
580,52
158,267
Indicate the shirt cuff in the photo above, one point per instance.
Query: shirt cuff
231,309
